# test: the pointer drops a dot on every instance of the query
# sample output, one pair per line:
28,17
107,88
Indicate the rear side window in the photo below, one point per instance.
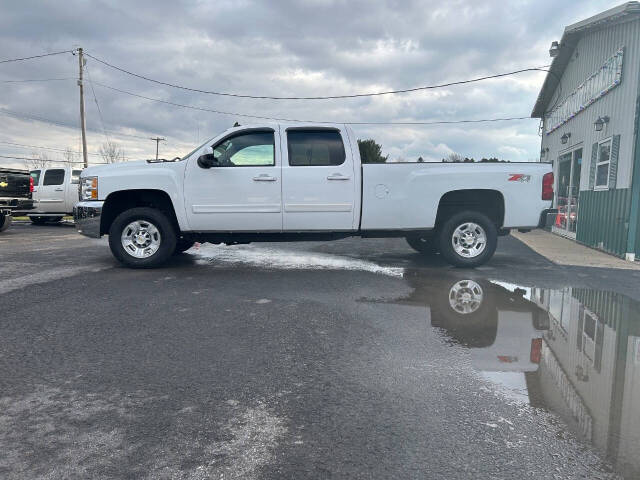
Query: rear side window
75,176
315,148
53,176
35,174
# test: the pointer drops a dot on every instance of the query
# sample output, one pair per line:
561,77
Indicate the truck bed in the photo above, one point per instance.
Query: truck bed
394,195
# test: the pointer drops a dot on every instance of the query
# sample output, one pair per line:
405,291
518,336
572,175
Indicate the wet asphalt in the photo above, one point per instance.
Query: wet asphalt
301,360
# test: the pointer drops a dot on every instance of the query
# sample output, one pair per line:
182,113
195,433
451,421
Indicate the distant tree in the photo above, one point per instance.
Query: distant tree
371,152
37,161
236,124
453,158
111,152
492,160
70,156
420,160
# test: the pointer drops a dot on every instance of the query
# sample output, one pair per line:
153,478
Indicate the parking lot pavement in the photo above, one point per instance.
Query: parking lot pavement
352,359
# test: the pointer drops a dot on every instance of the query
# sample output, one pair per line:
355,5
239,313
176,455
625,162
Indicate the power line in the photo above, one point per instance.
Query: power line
11,157
104,130
37,80
221,112
28,116
328,97
35,56
53,149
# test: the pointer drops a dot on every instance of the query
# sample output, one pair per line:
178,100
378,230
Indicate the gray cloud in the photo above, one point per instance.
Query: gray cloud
315,47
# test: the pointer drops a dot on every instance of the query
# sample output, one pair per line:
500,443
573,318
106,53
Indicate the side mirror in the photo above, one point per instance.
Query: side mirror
207,160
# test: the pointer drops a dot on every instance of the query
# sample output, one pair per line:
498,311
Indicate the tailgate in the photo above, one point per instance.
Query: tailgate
14,185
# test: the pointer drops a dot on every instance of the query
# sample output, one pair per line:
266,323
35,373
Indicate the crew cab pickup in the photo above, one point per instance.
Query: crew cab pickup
306,182
15,194
55,192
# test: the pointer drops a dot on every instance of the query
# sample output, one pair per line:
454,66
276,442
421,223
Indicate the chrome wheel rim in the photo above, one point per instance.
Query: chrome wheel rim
465,296
141,239
469,240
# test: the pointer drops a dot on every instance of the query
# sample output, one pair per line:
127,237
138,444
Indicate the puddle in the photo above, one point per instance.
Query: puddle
282,259
571,351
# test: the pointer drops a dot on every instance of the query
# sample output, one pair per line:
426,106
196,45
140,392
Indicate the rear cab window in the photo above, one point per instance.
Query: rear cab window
35,174
53,176
308,148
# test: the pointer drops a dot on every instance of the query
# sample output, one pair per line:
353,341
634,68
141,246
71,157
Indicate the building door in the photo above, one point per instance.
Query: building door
568,192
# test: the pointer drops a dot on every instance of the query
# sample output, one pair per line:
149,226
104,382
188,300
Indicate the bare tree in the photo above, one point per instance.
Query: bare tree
38,160
111,152
454,158
71,156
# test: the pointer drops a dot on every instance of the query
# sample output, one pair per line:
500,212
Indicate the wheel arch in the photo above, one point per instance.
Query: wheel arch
121,200
487,201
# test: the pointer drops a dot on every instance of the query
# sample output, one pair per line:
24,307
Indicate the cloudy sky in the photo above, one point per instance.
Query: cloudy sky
279,48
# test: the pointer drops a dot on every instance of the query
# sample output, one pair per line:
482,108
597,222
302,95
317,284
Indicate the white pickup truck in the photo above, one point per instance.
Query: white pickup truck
55,192
306,182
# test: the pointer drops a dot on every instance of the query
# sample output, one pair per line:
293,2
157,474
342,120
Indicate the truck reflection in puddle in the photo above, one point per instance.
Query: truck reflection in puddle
572,351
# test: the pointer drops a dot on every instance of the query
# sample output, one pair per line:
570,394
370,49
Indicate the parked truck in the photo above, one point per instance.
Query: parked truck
16,188
269,183
55,192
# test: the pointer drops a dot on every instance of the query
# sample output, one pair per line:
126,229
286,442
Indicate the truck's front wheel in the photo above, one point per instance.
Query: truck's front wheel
142,237
468,239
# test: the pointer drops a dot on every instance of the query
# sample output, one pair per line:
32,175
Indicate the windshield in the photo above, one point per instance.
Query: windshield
196,149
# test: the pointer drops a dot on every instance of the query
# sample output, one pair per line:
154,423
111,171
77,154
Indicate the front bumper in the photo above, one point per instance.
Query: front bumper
87,218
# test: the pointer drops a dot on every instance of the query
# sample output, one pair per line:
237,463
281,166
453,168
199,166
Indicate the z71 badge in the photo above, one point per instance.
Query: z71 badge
519,177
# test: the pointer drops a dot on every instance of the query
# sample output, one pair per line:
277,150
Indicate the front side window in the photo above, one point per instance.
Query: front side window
254,149
75,176
53,176
315,148
602,164
35,174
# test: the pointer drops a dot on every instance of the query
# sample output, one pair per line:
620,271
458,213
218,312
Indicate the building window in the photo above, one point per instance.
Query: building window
602,165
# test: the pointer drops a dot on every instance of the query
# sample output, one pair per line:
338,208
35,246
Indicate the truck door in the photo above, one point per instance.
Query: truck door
318,181
242,191
51,191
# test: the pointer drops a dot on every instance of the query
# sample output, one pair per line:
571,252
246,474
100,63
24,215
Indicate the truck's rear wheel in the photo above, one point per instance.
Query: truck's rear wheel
54,219
468,239
423,244
142,237
5,221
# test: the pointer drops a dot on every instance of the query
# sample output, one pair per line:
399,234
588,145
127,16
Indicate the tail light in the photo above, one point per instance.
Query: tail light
536,350
547,186
30,184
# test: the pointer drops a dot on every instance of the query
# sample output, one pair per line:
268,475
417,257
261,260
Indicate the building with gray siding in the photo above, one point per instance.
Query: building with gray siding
589,107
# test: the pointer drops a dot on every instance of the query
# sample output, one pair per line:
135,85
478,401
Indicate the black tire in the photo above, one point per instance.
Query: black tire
167,237
422,244
5,222
445,239
182,245
472,320
54,219
38,220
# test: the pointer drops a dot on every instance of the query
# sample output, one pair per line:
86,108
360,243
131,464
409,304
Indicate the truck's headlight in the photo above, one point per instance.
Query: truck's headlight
89,188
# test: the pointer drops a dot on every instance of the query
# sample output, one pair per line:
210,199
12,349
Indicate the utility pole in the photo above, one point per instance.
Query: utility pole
81,63
158,140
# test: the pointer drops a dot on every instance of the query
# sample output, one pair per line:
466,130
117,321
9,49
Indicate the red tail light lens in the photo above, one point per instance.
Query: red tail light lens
30,184
536,350
547,186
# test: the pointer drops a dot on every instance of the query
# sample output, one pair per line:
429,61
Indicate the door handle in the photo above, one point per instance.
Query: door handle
264,178
59,189
337,176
